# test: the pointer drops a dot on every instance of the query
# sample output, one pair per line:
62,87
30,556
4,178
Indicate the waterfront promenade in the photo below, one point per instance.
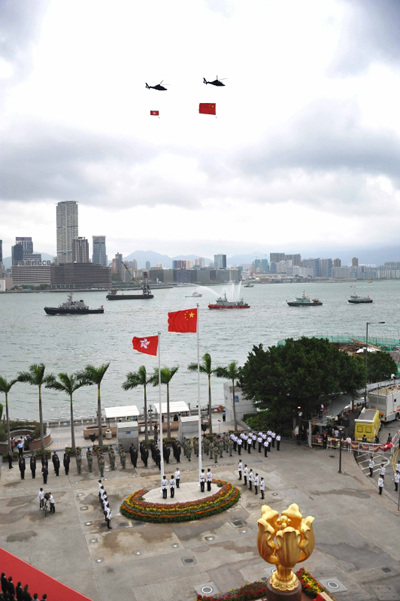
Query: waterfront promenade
357,541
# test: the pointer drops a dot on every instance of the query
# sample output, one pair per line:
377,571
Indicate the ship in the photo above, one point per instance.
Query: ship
194,295
145,295
359,300
223,303
71,307
304,301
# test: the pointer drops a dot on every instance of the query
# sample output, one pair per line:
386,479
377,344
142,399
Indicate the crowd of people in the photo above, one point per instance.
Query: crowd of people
18,592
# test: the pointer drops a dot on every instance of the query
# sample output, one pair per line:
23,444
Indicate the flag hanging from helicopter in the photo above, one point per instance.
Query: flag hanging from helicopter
207,108
155,113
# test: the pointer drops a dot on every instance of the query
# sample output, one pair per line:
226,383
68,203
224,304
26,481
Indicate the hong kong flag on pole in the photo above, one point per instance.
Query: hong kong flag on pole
146,344
183,321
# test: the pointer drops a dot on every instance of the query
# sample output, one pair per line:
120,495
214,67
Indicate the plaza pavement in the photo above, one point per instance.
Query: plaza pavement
357,531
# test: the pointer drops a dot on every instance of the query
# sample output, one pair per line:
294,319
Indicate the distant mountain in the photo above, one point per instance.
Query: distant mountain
141,256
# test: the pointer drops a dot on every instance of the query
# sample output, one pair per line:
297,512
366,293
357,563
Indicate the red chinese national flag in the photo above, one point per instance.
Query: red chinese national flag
156,113
207,109
183,321
146,344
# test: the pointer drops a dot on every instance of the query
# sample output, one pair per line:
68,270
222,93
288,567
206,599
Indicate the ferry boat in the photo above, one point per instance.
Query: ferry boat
359,300
223,303
304,301
71,307
194,295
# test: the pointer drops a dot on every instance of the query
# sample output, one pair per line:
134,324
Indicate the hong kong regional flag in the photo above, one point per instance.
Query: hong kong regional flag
183,321
146,344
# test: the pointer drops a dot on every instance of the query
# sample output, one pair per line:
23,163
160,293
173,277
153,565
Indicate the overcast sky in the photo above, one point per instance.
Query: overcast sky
303,153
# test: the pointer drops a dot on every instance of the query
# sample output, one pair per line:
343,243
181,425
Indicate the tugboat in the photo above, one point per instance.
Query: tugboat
359,300
146,293
304,301
223,303
71,307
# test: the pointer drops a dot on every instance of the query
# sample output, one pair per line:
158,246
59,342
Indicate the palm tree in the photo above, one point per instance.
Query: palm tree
67,384
205,368
35,377
166,376
6,387
230,372
139,378
94,376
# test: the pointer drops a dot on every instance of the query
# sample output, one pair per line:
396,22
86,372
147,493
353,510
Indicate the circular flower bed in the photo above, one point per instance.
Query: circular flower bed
136,508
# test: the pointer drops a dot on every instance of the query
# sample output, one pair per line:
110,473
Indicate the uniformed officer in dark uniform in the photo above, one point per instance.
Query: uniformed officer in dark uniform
32,465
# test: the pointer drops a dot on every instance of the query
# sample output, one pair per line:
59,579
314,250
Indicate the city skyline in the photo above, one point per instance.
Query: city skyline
302,154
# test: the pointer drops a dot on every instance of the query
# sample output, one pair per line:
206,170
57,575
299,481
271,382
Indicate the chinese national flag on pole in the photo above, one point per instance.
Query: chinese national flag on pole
156,113
183,321
146,344
207,109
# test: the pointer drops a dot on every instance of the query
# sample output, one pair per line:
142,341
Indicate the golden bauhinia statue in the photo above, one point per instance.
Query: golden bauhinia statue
284,541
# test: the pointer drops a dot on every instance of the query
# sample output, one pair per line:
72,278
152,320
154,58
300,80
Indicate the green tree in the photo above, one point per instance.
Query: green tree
5,386
139,378
67,384
93,376
35,377
302,372
205,368
380,366
230,372
167,374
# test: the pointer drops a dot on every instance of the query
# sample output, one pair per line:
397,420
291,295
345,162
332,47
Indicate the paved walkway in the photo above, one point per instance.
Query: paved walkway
357,531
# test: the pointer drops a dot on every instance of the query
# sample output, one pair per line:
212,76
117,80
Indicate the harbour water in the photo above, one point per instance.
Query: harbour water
69,343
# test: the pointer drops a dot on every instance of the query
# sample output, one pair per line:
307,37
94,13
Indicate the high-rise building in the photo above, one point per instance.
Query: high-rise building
27,245
17,254
80,250
67,229
219,261
1,251
99,255
354,262
179,264
276,257
147,265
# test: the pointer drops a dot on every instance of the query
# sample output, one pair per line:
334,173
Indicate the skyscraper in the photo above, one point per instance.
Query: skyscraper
67,229
219,261
80,250
1,251
99,255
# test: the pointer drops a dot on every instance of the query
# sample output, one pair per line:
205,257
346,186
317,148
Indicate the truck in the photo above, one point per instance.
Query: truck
387,402
367,426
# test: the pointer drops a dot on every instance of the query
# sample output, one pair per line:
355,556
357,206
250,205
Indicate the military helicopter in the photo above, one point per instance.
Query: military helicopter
158,87
216,82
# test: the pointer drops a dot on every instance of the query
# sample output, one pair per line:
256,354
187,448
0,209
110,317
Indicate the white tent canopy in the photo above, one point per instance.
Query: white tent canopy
126,411
174,407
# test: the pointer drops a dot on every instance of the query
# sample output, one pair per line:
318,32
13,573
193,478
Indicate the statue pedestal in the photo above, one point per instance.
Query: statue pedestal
274,595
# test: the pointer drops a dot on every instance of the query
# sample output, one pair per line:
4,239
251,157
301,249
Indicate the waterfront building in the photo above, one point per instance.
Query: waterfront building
179,264
67,229
354,262
219,261
325,268
80,250
147,267
336,263
31,273
17,254
276,257
99,255
296,259
313,264
200,262
27,245
80,275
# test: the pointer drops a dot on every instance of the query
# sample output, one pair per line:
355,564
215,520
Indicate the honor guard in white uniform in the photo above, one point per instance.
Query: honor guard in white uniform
164,487
251,479
245,474
256,482
262,487
208,479
240,469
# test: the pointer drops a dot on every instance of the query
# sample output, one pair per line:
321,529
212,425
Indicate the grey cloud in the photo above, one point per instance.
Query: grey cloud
370,33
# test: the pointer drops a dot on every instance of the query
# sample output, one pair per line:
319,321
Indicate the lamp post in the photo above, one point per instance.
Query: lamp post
340,428
369,323
150,412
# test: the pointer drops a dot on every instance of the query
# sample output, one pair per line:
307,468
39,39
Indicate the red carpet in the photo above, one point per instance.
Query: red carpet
37,581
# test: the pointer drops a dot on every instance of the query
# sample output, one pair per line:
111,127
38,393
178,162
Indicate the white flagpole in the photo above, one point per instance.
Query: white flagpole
160,438
198,391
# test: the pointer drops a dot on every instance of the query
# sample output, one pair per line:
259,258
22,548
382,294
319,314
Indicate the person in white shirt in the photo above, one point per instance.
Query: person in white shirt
259,440
245,474
177,477
256,481
381,484
52,503
383,470
41,498
396,481
262,487
266,448
209,479
371,466
108,517
278,442
251,479
164,487
172,487
240,469
202,479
